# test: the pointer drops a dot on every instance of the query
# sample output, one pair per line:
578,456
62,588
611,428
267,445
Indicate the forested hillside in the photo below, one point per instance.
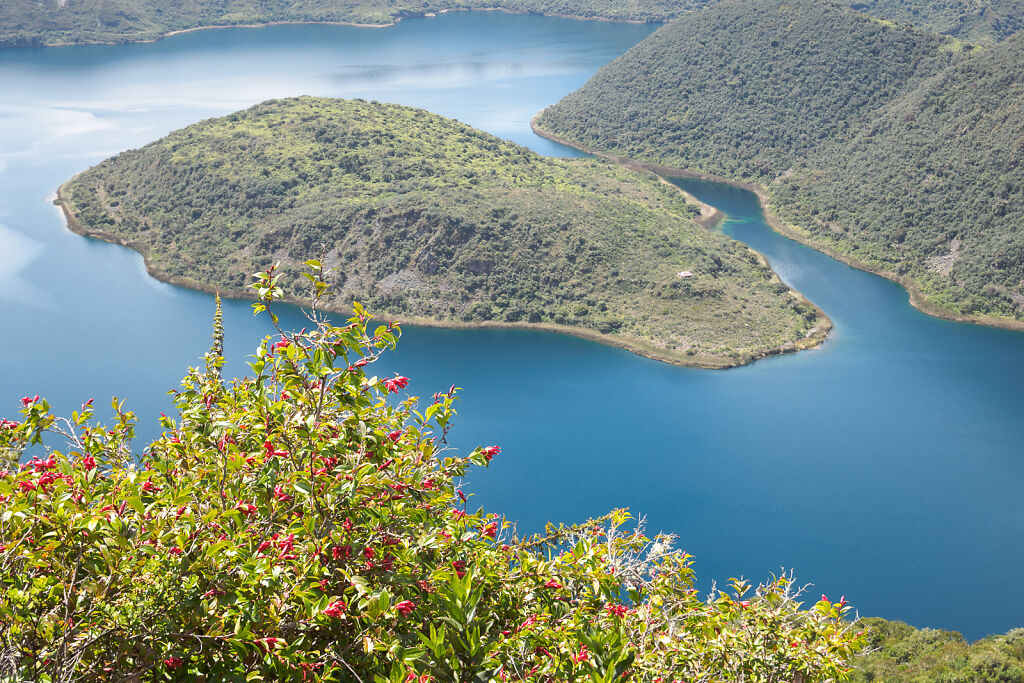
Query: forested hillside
983,21
425,217
899,653
892,148
931,188
746,88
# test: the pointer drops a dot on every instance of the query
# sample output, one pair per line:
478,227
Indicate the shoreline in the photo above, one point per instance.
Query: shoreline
916,297
421,14
813,338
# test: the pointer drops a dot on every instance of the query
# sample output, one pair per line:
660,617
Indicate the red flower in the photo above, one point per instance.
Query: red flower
89,463
264,545
398,382
490,451
268,644
269,448
491,530
26,486
42,465
368,553
283,344
280,495
460,568
175,550
287,543
335,609
552,584
405,607
246,508
340,551
28,401
173,662
616,610
395,436
150,487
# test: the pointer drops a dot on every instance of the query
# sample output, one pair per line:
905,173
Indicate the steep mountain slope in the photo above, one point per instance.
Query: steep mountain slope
745,88
426,217
932,188
886,146
983,21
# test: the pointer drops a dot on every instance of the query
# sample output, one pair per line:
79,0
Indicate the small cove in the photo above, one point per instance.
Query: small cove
885,464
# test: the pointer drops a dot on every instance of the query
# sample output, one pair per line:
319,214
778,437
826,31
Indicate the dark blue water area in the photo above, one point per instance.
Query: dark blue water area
885,465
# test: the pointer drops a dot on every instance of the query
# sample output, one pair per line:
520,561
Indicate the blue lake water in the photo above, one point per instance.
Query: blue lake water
887,465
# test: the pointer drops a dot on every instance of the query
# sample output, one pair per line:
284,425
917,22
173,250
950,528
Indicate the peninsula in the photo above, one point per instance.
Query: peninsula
430,221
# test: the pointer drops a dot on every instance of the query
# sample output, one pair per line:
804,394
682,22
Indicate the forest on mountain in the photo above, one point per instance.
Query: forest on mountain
973,20
899,653
50,22
426,218
892,148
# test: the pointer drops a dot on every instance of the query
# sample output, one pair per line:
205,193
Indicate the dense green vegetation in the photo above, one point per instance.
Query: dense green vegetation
983,21
425,217
898,653
893,148
931,187
745,89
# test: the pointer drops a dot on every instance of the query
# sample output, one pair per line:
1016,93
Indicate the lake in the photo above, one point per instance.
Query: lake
886,465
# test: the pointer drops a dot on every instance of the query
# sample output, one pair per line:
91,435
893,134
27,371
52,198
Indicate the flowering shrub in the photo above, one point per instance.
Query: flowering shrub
304,523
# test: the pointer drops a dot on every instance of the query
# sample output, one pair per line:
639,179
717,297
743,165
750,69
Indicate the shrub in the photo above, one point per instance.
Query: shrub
305,523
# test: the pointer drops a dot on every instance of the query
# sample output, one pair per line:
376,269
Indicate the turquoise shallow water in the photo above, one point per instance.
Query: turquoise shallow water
886,465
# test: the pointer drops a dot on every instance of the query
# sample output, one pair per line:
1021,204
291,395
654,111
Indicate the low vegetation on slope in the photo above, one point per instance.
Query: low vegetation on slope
898,653
896,149
931,188
982,21
427,218
745,88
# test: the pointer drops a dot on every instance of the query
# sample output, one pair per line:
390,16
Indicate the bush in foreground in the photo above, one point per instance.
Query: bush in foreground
305,523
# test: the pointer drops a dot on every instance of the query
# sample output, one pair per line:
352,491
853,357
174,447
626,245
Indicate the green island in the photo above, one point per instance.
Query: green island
58,22
892,149
430,221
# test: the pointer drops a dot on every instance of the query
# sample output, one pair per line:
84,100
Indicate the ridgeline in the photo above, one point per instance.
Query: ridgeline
895,150
431,221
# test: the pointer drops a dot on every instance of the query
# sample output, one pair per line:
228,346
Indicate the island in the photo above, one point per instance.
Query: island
429,221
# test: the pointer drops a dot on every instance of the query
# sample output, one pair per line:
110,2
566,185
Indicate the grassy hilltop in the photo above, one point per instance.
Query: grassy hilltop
426,218
892,148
